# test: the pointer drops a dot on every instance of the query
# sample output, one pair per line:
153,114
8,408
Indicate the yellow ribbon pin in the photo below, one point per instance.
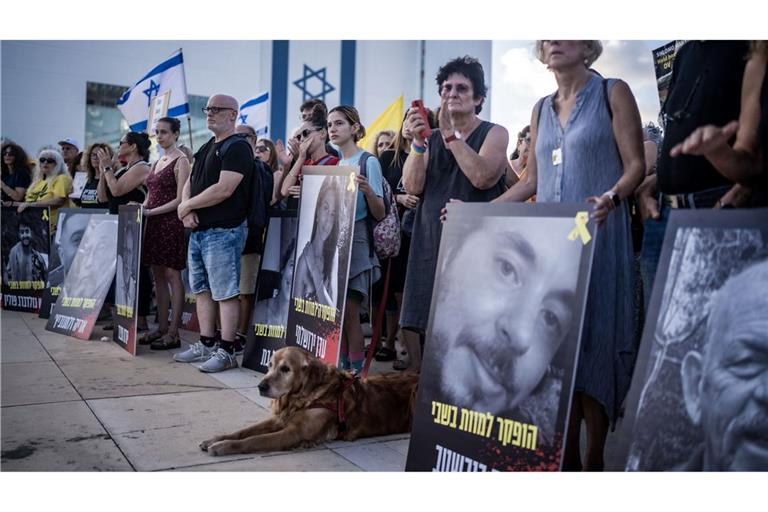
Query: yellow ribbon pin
351,185
580,230
45,214
138,215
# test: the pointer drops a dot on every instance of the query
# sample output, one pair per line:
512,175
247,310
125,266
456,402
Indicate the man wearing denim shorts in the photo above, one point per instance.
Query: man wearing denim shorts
215,206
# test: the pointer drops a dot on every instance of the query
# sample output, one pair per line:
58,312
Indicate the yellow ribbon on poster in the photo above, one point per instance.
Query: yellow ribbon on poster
45,214
580,230
138,215
351,185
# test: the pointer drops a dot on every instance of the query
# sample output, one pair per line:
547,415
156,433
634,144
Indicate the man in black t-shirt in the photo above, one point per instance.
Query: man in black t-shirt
215,206
705,89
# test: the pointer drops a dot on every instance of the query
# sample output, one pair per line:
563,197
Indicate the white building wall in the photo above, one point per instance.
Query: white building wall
44,82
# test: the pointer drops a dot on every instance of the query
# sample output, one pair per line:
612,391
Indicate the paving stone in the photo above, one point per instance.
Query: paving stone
129,376
373,457
254,396
164,431
305,460
19,346
57,437
35,383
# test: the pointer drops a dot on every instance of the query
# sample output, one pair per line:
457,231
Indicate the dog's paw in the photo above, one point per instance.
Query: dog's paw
207,443
221,448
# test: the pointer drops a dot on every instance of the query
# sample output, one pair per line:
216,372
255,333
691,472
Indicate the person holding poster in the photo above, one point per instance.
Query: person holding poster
465,159
591,123
215,206
50,187
345,129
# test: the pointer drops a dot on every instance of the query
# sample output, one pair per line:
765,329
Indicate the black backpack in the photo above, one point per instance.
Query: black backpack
259,183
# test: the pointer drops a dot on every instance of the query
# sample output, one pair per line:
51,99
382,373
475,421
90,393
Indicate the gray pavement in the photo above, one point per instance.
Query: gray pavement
73,405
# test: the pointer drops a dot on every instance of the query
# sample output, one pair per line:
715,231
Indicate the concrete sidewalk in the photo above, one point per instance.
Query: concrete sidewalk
72,405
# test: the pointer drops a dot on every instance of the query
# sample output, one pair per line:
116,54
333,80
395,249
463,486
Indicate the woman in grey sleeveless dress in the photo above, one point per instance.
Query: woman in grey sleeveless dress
589,148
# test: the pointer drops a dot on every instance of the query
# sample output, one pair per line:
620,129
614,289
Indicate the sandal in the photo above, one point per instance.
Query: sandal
385,354
148,337
166,342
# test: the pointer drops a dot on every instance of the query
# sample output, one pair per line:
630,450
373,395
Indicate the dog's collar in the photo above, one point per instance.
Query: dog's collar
338,407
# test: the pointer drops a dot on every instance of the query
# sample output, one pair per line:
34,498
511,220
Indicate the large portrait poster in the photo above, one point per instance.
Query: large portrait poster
323,251
273,291
71,227
127,276
25,245
503,337
698,399
88,281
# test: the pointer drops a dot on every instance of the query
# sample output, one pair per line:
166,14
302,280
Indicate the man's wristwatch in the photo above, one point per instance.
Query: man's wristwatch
452,137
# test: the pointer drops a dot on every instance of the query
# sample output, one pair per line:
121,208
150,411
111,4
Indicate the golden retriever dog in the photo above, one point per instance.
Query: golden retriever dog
314,402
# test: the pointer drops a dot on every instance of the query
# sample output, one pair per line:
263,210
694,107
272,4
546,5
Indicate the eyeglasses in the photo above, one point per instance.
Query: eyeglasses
47,160
123,142
8,153
215,110
383,144
460,88
262,149
304,134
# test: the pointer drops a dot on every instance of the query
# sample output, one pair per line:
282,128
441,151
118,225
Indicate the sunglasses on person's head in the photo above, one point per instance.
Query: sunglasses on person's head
47,160
460,88
304,134
215,110
262,149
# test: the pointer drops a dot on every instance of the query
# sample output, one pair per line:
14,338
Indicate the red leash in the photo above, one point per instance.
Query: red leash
377,324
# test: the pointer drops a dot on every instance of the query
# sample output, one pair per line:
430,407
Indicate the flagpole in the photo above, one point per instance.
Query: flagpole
189,125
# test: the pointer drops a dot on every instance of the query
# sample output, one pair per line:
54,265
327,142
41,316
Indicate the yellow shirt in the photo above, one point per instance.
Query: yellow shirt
44,189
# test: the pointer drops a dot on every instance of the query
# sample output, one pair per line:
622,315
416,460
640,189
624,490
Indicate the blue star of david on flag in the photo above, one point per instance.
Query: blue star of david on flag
319,75
244,118
151,91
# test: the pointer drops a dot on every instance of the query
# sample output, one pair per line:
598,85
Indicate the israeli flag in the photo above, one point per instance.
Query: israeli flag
255,113
167,76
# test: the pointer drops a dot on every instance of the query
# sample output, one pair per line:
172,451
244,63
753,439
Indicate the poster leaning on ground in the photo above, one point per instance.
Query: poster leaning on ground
25,247
71,225
127,276
88,281
273,291
503,337
698,399
323,253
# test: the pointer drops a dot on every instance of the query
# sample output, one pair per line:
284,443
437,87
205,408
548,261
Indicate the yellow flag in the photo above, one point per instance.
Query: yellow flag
390,119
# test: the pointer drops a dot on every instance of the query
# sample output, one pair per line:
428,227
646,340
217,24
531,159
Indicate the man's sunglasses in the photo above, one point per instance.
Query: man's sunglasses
215,110
47,160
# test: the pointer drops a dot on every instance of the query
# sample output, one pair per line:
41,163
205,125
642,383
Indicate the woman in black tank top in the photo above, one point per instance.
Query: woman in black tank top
127,184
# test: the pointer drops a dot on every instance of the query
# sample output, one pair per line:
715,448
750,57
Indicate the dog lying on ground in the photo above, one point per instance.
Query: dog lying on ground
314,402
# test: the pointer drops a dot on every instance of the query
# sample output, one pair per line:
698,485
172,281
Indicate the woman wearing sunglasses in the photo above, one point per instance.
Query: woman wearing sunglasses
51,185
266,152
312,137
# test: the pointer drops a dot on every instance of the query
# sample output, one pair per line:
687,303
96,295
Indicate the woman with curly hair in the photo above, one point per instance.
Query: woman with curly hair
16,172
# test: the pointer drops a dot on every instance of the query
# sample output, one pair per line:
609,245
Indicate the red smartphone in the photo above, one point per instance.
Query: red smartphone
426,132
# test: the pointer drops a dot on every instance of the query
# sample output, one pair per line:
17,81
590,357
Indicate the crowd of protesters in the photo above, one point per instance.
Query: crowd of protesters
584,142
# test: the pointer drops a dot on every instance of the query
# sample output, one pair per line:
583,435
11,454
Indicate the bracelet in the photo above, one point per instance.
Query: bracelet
419,150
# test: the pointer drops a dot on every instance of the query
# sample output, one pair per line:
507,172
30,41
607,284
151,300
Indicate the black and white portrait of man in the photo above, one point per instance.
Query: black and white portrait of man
504,306
699,396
